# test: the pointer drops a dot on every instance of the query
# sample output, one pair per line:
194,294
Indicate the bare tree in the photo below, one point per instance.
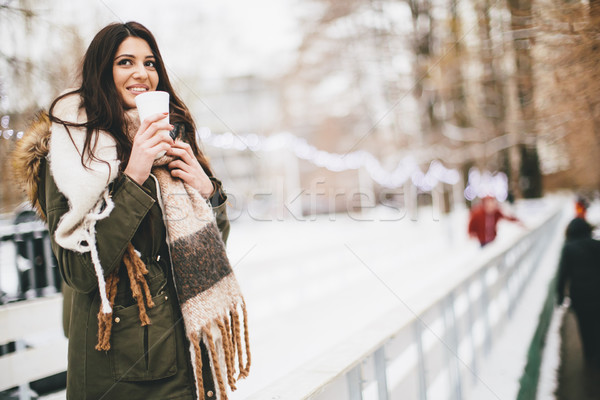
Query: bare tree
522,24
31,74
454,70
569,115
348,60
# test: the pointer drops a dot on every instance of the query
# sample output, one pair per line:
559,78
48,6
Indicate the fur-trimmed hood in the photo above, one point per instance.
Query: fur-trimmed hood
84,186
27,157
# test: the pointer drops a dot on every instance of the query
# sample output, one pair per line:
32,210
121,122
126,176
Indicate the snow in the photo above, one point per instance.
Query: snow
313,282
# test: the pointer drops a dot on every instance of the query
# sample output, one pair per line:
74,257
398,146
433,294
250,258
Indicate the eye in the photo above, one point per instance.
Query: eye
150,64
124,61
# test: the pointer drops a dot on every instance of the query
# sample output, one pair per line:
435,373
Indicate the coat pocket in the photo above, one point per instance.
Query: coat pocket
143,353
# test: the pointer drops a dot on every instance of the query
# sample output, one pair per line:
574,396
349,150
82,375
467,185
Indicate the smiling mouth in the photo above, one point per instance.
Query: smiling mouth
137,89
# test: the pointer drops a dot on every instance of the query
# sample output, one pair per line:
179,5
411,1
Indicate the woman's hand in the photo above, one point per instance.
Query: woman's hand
151,138
187,168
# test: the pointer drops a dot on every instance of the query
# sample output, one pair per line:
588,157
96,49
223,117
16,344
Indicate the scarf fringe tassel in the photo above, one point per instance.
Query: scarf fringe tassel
226,349
136,270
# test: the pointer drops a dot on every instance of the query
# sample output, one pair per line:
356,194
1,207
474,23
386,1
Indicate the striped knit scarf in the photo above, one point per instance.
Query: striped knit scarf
210,297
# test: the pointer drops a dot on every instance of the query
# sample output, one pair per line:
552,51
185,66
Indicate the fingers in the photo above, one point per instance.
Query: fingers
183,145
154,128
188,177
156,134
179,164
153,118
162,136
186,167
183,150
185,159
161,147
205,188
183,175
145,148
153,124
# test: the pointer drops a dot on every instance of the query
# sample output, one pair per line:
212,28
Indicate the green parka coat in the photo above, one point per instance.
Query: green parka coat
150,362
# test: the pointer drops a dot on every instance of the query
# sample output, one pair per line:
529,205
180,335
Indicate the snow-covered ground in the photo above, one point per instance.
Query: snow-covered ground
310,284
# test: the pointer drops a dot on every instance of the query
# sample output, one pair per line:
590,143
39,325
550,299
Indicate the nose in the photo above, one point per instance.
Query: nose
140,71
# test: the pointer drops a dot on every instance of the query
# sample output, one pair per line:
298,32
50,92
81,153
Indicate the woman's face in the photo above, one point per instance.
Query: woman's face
134,70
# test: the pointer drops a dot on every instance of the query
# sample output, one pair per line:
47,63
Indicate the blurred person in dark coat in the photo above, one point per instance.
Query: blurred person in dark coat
579,270
484,219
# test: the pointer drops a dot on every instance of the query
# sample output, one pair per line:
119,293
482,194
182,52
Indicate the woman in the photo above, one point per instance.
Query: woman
579,268
156,312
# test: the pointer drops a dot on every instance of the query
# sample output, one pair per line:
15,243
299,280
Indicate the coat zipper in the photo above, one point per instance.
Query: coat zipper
162,208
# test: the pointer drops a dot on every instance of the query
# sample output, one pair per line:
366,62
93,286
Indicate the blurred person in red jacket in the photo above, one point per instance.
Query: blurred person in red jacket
581,206
484,219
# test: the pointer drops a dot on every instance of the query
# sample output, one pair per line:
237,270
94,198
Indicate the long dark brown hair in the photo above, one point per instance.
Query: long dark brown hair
99,93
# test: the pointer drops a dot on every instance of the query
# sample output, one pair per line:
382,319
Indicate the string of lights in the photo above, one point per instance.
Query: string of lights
406,169
479,184
6,132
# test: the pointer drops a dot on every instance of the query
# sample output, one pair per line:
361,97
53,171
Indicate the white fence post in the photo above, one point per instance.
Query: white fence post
24,389
354,380
485,306
380,373
451,339
420,360
472,318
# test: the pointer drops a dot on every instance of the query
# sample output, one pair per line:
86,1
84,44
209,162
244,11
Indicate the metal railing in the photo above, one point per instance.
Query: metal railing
32,345
26,257
436,349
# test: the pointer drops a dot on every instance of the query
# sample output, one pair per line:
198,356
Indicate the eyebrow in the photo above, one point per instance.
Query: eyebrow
132,56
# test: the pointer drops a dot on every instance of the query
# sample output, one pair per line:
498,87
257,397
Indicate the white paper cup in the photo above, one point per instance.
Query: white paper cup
149,103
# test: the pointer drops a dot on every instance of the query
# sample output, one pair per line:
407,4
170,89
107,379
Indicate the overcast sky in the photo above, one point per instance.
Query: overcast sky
220,38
